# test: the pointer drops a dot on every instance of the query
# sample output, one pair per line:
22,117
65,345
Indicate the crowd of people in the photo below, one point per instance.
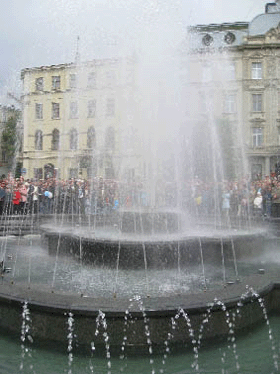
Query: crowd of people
79,196
259,197
47,196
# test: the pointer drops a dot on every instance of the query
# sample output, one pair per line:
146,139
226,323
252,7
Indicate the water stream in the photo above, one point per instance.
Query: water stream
250,353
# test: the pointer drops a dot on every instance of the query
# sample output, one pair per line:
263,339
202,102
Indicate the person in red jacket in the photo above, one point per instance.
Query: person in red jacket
16,199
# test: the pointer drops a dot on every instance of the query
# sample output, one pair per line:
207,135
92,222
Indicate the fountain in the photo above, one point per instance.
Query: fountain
145,278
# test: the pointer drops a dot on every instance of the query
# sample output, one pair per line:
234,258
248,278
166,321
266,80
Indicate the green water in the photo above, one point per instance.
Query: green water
253,354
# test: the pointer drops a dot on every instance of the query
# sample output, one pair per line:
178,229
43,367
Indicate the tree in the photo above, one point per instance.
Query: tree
10,139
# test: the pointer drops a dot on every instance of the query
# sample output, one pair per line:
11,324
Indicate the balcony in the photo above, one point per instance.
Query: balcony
264,150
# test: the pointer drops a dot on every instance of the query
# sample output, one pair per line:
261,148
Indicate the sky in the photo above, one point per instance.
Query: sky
44,32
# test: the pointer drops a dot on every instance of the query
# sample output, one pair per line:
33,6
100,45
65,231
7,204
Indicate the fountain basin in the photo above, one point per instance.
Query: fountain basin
106,247
128,318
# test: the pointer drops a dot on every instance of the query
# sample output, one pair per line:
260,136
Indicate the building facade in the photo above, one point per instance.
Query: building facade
81,120
233,75
74,115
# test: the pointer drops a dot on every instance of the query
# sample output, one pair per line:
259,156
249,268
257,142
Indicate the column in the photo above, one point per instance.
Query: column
267,166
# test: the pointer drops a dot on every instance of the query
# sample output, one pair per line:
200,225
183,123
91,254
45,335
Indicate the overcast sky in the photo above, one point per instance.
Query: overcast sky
44,32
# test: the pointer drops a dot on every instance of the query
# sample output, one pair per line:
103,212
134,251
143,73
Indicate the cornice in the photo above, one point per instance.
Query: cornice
257,121
219,27
254,84
262,46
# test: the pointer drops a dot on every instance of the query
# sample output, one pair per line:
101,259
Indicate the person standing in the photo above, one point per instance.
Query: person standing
258,204
226,202
23,199
35,193
276,200
16,199
2,197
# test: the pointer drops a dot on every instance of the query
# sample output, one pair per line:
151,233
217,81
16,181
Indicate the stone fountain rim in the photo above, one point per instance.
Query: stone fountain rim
157,307
157,238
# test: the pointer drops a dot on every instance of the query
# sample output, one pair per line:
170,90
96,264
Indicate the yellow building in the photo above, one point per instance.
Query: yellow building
85,119
233,75
74,117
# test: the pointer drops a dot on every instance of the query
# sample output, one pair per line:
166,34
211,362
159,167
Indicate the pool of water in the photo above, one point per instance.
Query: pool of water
251,353
31,265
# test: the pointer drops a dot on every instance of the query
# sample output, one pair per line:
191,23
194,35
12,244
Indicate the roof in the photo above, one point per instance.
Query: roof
95,62
219,27
263,23
220,36
217,35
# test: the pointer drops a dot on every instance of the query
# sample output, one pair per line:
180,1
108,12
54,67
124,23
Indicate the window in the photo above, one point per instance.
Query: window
55,110
256,172
111,78
73,81
257,102
74,109
73,139
231,71
207,40
230,104
38,173
91,80
109,173
257,137
110,109
38,111
39,84
91,108
256,72
56,82
229,38
110,139
73,173
92,171
130,174
206,73
91,138
278,135
49,171
38,140
55,140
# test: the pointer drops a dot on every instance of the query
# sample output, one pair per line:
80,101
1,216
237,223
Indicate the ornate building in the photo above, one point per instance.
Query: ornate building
234,76
81,119
74,116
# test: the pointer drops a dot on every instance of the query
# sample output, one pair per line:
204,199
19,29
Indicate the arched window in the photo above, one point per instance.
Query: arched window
39,140
49,171
55,140
73,139
91,138
110,139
